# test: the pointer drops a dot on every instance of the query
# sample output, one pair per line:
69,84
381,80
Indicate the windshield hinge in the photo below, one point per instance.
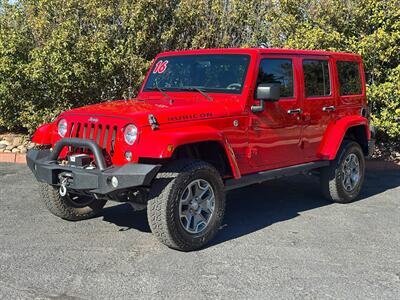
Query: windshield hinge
153,122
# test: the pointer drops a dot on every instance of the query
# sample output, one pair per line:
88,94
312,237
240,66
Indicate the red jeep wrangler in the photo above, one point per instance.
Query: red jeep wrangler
205,122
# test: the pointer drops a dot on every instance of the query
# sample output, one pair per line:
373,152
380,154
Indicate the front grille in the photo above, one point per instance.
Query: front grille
104,135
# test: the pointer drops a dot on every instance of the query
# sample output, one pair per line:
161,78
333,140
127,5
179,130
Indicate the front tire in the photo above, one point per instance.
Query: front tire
186,204
69,207
342,180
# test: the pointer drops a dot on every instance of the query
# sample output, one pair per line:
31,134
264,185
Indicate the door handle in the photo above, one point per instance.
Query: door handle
328,108
294,111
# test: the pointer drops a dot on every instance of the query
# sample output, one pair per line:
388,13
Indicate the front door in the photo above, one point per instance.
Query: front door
274,134
318,103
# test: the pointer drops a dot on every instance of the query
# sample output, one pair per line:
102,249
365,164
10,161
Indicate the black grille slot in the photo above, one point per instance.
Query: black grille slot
98,135
91,132
106,136
113,139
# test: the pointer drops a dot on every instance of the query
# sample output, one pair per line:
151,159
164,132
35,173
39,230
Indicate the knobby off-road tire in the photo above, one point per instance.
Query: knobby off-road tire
169,191
65,207
333,184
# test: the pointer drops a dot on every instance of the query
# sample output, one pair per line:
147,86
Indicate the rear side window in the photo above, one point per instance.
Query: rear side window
349,77
277,71
317,81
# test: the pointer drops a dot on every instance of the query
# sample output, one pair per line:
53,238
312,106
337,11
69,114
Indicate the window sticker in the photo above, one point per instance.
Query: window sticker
160,67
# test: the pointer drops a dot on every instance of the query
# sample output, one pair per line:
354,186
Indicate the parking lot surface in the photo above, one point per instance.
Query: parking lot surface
280,239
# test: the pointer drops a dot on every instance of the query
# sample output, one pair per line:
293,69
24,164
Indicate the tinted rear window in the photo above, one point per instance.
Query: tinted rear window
316,78
349,77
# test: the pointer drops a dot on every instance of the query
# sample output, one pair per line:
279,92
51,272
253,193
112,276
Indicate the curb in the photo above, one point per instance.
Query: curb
16,158
382,165
376,165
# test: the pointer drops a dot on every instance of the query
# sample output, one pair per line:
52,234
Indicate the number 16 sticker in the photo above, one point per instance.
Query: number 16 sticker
160,67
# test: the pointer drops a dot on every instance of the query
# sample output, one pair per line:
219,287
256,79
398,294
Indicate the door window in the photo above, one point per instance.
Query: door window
349,77
277,71
317,81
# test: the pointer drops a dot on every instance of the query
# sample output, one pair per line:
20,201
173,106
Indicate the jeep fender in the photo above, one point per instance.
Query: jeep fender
162,143
43,134
335,133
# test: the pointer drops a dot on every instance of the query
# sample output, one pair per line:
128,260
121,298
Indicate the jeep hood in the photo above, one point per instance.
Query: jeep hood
138,111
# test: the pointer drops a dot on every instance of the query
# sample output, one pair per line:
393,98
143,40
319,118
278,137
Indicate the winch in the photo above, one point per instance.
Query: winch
79,160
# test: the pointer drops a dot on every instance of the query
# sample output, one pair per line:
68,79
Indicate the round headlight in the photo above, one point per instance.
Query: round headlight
62,127
130,134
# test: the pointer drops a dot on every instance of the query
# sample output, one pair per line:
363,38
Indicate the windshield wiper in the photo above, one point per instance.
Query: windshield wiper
157,88
197,89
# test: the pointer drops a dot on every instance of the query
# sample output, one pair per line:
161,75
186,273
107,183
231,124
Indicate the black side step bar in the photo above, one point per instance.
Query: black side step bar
260,177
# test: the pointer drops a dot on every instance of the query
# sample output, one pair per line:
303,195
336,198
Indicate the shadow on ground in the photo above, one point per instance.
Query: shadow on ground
255,207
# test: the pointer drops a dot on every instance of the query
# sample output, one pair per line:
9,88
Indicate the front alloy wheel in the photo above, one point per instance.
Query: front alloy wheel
69,207
186,204
196,206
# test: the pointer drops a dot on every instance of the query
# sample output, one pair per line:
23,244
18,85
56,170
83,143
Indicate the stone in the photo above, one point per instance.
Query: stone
18,141
15,150
10,147
5,142
8,139
23,151
7,151
3,146
31,145
21,147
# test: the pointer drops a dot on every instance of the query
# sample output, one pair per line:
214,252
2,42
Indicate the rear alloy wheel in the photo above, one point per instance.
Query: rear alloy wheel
186,204
342,181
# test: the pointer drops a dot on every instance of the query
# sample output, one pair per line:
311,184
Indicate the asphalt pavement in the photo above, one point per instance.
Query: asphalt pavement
280,240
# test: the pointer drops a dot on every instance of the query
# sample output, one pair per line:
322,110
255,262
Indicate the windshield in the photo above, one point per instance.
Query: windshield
217,73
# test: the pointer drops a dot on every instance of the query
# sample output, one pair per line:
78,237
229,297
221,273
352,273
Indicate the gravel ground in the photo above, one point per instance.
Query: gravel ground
279,240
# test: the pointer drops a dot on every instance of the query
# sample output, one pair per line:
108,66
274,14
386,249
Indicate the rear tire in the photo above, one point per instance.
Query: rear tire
186,204
66,207
342,180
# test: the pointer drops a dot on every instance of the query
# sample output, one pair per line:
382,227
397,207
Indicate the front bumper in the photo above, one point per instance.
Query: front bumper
45,167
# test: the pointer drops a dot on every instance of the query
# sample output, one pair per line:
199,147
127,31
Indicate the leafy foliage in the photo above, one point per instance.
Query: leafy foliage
58,54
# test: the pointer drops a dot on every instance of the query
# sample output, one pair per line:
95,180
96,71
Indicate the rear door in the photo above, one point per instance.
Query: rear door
318,103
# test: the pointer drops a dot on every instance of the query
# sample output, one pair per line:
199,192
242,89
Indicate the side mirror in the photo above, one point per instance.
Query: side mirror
266,92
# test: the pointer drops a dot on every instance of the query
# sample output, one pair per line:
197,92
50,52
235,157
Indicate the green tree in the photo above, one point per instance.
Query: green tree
58,54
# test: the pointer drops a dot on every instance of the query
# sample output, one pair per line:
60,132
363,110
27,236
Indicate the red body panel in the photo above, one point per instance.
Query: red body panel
42,135
252,141
334,134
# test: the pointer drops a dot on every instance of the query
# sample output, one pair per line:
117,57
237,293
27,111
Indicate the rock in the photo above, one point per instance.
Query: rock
21,147
15,150
31,145
3,146
7,151
18,141
10,147
23,151
2,150
8,139
4,142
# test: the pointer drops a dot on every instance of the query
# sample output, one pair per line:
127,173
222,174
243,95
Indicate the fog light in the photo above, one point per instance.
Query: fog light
128,155
114,181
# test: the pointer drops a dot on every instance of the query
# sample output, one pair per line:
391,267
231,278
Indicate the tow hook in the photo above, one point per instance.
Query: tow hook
65,179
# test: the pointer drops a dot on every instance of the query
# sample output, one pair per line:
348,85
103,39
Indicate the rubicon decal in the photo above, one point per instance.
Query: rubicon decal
190,117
